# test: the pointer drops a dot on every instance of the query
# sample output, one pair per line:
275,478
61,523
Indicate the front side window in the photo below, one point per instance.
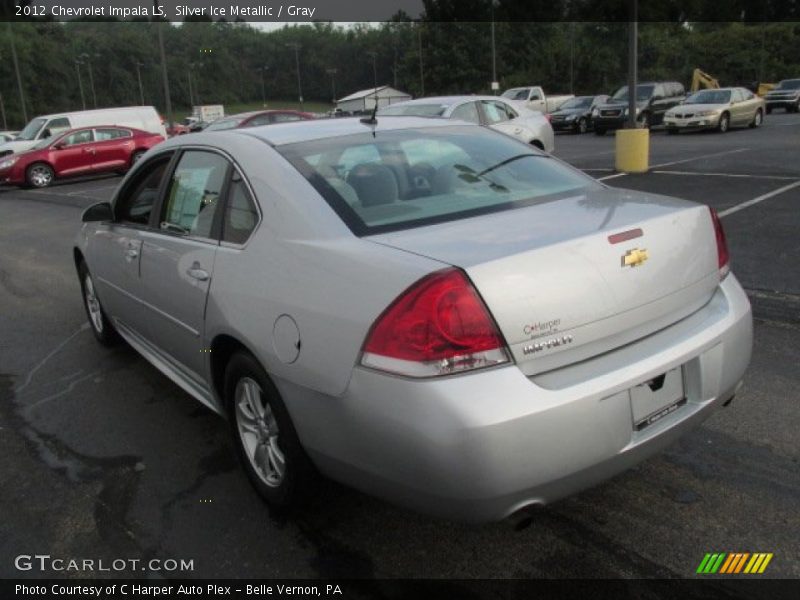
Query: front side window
193,193
55,126
223,124
443,175
136,200
257,121
79,137
517,94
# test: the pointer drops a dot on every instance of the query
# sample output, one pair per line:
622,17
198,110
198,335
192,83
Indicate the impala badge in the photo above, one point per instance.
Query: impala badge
634,258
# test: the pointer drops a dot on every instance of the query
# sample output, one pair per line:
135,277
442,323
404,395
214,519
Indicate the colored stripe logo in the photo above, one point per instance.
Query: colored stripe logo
734,563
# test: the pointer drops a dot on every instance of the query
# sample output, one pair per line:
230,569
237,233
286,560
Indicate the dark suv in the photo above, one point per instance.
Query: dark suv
785,95
653,99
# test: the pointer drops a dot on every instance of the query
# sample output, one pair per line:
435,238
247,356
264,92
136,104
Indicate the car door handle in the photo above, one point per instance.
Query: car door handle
195,272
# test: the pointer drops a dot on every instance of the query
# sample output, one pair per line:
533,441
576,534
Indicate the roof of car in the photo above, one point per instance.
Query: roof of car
303,131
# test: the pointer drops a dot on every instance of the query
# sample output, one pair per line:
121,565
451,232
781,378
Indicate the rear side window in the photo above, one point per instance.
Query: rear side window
467,112
193,194
496,112
284,117
410,178
240,216
136,200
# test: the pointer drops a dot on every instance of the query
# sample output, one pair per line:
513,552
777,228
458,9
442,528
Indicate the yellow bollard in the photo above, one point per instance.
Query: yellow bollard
633,150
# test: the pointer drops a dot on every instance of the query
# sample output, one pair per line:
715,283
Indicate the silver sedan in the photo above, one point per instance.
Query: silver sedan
508,116
426,310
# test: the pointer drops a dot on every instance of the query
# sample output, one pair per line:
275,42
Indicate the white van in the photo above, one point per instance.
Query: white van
145,118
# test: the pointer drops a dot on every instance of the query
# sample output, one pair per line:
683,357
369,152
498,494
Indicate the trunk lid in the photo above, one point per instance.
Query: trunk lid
559,289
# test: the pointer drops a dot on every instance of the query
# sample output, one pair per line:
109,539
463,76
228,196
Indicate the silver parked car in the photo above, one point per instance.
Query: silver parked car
718,109
426,310
508,116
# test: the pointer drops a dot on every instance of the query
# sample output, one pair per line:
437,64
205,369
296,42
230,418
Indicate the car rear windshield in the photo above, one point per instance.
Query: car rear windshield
413,110
582,102
400,179
223,124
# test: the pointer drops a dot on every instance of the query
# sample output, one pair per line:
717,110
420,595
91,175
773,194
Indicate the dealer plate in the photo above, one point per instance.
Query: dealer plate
655,399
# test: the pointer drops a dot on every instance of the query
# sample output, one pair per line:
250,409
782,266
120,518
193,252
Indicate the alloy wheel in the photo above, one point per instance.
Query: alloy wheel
259,432
40,176
92,304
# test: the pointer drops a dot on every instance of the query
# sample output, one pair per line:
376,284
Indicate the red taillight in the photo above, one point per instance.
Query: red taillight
436,327
723,258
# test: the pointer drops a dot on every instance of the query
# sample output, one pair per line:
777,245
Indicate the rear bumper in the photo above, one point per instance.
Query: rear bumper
481,446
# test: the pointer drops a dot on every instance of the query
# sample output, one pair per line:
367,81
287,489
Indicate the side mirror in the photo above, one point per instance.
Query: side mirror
101,211
59,145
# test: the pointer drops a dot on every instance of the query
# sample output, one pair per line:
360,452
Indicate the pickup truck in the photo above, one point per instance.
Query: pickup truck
534,98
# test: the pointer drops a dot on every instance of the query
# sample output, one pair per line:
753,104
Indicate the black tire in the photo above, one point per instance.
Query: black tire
599,131
758,119
39,175
99,323
796,106
672,131
136,156
272,434
724,123
581,126
769,110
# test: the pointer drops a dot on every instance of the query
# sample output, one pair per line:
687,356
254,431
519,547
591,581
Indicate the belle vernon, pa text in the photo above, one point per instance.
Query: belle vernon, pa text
180,11
134,589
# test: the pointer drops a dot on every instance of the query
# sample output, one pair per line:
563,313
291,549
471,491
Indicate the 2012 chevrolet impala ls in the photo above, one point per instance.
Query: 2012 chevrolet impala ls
426,310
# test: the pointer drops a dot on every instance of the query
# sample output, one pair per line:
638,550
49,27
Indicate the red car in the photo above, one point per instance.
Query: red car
83,151
256,118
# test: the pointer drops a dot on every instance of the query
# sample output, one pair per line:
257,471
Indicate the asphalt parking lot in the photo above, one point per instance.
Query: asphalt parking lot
103,457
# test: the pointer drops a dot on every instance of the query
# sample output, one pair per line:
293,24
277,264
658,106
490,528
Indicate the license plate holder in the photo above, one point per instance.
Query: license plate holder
653,400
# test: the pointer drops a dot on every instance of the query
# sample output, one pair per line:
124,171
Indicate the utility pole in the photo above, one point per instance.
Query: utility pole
296,47
189,79
16,69
263,70
633,49
421,70
80,83
3,111
572,57
394,68
139,78
164,76
88,60
332,73
495,84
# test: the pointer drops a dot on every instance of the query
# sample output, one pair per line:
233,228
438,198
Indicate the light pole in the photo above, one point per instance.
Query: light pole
421,69
16,69
296,47
495,85
3,111
139,65
80,83
167,98
374,56
88,60
263,69
633,49
332,73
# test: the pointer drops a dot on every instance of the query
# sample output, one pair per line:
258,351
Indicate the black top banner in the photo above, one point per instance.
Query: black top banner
751,11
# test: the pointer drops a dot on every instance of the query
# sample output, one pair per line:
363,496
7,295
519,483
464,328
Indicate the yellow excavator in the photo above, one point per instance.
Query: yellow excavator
702,79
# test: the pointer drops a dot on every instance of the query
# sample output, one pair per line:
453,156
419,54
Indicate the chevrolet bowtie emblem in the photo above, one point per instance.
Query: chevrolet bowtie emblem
634,258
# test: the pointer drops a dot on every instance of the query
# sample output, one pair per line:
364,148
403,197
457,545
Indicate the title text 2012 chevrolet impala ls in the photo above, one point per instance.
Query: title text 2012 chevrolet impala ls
426,310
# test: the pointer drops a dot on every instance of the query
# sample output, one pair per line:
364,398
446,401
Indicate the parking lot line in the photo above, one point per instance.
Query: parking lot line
679,162
761,198
744,175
